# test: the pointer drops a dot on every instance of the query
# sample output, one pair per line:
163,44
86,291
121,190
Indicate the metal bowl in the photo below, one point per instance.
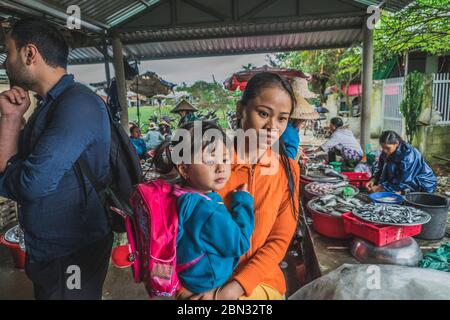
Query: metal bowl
405,252
13,234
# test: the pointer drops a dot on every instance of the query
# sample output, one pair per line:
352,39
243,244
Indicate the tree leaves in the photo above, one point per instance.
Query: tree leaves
411,105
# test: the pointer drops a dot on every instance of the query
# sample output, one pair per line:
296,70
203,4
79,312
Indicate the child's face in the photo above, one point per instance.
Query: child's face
270,110
209,175
136,133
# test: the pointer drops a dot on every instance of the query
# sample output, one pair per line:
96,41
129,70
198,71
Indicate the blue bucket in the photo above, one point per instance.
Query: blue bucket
377,197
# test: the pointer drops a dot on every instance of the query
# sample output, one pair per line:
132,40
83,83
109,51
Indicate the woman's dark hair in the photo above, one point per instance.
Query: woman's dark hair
255,86
49,41
163,160
390,137
337,122
265,80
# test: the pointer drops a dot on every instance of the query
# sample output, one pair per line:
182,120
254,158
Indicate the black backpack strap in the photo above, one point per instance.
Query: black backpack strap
81,168
87,172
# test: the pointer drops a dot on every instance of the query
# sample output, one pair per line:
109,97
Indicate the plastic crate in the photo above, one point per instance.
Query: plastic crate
379,235
358,179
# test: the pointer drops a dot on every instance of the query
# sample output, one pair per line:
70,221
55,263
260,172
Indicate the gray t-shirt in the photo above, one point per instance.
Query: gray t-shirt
342,138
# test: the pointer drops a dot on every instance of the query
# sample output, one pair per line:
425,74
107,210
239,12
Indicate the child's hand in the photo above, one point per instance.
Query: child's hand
243,187
210,295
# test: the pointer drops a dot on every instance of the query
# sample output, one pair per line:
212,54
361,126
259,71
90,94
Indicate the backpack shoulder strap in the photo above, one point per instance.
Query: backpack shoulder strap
81,167
178,191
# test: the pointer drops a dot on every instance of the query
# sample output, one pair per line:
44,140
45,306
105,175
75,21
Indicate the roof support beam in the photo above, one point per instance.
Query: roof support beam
107,59
173,12
140,14
366,85
258,8
205,9
235,9
120,79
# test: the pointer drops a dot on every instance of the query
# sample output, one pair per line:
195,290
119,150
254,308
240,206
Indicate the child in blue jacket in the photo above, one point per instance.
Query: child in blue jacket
210,239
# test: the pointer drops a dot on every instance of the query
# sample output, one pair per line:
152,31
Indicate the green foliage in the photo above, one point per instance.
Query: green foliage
411,105
423,25
334,66
211,95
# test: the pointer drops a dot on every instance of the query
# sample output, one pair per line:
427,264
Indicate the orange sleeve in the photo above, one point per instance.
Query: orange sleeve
272,253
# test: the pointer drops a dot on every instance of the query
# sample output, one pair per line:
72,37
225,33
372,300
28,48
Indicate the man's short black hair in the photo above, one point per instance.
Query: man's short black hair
337,122
49,41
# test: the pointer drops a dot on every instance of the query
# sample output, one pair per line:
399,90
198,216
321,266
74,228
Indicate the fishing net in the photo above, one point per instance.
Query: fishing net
438,260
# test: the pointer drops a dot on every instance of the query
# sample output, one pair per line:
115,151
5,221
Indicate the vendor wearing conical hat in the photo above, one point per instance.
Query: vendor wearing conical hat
186,111
302,111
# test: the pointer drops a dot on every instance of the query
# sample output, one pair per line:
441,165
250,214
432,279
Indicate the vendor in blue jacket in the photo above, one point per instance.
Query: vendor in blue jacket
401,167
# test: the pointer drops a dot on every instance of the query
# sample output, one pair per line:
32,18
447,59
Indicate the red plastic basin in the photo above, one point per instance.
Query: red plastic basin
327,225
17,254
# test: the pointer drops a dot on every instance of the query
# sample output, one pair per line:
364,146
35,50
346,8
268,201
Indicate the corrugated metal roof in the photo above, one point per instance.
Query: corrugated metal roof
244,29
158,29
391,5
109,12
238,45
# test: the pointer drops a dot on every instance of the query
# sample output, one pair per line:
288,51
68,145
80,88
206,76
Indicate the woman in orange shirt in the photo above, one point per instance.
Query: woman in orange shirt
273,180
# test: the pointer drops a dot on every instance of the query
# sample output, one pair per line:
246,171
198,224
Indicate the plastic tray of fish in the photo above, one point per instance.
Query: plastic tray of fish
391,214
319,188
334,205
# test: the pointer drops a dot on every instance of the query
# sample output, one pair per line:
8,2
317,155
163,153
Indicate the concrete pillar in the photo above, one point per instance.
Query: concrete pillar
120,79
366,84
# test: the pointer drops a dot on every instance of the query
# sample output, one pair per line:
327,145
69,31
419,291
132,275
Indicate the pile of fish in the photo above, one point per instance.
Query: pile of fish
334,205
391,214
443,185
321,188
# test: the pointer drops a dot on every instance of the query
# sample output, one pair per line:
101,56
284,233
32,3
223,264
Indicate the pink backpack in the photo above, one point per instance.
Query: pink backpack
152,235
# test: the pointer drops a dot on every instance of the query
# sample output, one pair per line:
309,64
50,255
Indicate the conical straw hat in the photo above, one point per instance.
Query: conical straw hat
300,85
303,110
183,105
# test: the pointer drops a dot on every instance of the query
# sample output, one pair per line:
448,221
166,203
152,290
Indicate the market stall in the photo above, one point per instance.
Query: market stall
348,226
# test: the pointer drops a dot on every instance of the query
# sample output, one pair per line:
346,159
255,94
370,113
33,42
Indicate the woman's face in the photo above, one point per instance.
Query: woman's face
389,149
270,110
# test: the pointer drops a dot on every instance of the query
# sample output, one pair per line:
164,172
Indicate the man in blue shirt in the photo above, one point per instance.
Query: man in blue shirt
67,235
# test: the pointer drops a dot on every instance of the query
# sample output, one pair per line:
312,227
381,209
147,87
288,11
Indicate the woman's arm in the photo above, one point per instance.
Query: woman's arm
268,257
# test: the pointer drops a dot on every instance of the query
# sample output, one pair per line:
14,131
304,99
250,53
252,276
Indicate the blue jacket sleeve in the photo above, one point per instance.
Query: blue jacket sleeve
291,140
229,235
378,168
58,148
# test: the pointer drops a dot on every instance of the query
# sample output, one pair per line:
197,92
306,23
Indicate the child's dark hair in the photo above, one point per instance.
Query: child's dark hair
132,128
390,137
163,160
255,86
